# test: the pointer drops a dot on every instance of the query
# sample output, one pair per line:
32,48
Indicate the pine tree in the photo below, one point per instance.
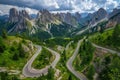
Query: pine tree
15,78
15,56
2,46
21,51
3,76
64,55
50,74
70,77
116,35
4,34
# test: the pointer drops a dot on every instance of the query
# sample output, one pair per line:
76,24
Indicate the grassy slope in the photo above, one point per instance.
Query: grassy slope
109,38
6,57
43,59
101,38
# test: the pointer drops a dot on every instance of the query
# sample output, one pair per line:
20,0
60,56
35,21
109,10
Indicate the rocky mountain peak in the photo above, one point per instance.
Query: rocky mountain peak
21,18
77,16
114,18
69,19
102,13
98,15
16,16
24,14
114,12
101,10
13,15
38,15
44,11
44,16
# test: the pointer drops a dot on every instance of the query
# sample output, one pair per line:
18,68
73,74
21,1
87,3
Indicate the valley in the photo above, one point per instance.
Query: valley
60,46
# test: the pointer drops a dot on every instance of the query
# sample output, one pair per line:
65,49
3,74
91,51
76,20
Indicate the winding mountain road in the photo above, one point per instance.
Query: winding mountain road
28,71
70,61
106,49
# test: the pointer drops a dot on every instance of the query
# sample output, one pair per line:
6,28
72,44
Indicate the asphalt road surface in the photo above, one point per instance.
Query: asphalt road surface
70,61
106,49
28,71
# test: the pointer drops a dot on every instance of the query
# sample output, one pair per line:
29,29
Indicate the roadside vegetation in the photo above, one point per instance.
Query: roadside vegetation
65,74
53,42
44,59
84,59
111,68
14,52
49,76
109,38
105,65
6,76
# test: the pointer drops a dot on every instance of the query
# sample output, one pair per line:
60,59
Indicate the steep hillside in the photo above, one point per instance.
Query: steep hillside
108,38
16,54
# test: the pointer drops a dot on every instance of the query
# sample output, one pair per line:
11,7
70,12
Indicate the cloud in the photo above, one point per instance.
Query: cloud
4,9
37,4
62,5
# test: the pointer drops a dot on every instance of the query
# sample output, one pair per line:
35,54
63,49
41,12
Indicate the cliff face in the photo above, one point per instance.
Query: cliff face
77,16
55,24
99,15
20,19
16,16
13,15
24,14
60,22
114,18
69,19
44,22
44,16
92,18
114,13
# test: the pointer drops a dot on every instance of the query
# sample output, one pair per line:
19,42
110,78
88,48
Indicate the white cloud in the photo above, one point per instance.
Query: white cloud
1,13
69,5
110,4
49,4
31,11
5,9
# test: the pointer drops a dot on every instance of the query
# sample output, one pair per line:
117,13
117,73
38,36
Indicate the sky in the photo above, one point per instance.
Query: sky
4,9
62,5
